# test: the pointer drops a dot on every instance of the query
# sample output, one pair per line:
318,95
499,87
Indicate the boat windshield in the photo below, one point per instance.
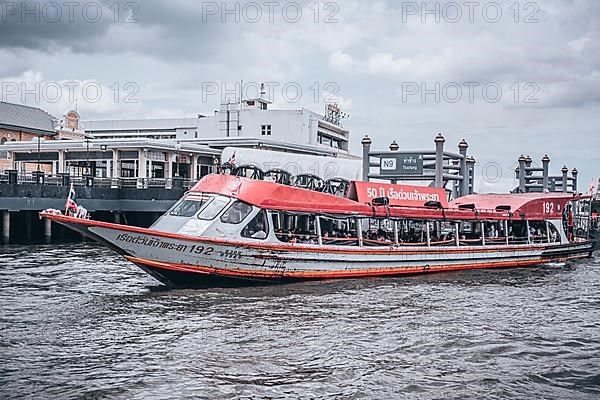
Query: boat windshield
189,206
213,208
236,213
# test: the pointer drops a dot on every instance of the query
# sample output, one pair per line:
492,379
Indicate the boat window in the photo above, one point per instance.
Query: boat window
258,227
189,206
213,208
236,213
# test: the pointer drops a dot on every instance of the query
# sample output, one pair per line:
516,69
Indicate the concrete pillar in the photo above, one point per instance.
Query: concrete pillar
366,143
117,217
194,167
439,160
565,180
115,164
61,161
394,147
168,165
47,230
522,161
114,169
574,173
528,162
471,173
545,173
26,215
143,164
464,183
5,226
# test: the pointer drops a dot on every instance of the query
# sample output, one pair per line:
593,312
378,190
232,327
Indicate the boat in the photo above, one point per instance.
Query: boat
230,231
594,204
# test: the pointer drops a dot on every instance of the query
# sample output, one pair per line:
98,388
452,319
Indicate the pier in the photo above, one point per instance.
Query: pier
538,179
23,197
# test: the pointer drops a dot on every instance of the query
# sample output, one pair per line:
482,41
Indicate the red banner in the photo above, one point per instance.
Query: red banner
399,195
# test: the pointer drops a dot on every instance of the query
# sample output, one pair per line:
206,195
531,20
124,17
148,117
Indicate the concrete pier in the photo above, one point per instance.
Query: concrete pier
5,227
47,230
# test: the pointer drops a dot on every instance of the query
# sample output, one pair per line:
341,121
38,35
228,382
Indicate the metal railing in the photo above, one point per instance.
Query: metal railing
102,182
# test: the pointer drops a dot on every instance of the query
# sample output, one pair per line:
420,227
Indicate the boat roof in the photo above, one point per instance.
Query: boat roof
529,205
274,196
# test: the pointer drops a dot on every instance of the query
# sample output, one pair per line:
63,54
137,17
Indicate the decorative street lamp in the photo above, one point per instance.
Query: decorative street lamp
177,147
87,156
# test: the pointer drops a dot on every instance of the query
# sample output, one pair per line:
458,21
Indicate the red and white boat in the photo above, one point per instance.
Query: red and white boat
229,230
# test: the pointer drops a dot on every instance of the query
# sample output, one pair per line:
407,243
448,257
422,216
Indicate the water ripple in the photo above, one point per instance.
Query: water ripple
79,322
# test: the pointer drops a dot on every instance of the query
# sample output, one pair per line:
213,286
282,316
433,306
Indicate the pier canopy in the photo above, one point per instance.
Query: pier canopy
539,206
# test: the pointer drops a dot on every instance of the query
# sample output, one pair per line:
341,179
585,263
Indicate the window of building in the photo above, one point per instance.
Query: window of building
3,140
265,130
330,141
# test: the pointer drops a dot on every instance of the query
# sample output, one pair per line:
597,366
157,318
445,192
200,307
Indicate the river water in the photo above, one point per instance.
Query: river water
78,321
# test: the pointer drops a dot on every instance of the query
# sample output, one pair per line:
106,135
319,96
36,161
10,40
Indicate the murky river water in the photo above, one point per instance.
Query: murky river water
77,321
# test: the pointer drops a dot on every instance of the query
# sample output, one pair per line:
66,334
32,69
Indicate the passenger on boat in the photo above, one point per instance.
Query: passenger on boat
259,233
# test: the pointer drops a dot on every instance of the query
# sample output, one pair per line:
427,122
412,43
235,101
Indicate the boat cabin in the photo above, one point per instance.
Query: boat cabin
235,208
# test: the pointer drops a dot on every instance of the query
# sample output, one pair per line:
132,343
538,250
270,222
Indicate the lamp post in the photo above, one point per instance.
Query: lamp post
177,147
87,156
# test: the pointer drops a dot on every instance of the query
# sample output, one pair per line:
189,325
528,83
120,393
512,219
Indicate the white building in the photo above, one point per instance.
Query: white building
236,124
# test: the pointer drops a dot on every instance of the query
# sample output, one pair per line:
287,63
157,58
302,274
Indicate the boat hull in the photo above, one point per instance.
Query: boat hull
185,261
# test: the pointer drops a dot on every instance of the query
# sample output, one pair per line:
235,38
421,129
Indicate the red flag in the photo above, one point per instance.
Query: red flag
71,204
232,159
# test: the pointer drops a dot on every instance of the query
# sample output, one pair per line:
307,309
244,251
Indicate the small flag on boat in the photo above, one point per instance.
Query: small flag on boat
232,159
71,204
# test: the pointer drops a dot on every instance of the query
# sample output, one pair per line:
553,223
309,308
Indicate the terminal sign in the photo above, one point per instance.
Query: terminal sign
402,164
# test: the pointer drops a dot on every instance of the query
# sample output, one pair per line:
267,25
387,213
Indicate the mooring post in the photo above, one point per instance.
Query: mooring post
545,167
5,226
522,161
439,160
366,143
471,169
464,183
565,179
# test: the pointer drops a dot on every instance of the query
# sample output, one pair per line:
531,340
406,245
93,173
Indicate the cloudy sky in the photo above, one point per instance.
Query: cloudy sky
510,77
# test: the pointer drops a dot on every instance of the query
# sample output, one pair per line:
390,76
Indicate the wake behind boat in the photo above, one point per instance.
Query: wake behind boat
229,230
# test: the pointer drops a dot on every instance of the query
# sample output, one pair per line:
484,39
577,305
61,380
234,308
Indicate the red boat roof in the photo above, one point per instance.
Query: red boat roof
279,197
522,205
274,196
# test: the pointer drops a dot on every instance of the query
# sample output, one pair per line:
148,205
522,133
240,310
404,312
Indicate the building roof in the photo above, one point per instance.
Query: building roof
31,119
116,144
128,125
